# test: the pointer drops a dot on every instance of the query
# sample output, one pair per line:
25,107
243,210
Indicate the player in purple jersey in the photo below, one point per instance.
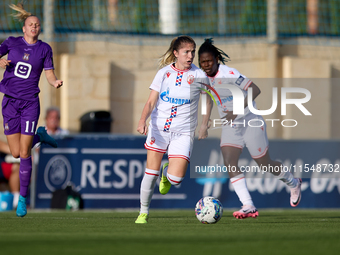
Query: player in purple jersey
26,58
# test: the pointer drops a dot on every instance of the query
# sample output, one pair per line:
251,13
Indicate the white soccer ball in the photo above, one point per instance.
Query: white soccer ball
209,210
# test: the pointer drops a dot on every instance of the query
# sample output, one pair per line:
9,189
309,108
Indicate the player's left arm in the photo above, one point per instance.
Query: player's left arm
52,79
203,132
256,91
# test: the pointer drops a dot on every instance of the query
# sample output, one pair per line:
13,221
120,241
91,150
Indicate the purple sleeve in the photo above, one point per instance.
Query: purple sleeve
4,47
48,63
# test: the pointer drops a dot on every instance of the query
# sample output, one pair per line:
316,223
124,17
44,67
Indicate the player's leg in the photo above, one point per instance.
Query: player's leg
231,156
257,143
153,163
176,171
276,168
13,141
25,172
12,124
179,151
29,113
14,183
156,144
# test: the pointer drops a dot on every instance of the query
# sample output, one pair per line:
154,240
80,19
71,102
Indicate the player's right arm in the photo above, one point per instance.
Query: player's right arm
4,62
3,51
148,108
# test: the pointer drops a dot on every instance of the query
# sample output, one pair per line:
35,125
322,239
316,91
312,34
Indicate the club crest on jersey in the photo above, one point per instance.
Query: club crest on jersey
190,79
6,126
168,74
26,56
152,140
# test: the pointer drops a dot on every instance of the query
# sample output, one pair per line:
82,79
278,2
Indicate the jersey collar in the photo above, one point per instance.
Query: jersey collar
177,70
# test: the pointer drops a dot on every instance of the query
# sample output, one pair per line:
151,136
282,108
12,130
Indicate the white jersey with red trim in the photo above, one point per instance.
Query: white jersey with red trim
177,105
230,76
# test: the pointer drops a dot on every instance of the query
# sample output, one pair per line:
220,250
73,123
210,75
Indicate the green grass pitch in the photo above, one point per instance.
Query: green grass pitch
172,232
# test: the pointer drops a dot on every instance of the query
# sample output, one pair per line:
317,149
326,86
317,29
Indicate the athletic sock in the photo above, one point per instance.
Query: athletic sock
174,180
25,172
240,186
146,189
288,178
15,199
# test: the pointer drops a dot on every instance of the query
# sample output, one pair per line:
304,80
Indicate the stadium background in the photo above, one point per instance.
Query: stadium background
106,53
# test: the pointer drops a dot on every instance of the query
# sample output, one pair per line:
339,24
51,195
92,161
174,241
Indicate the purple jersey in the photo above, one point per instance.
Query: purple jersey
21,77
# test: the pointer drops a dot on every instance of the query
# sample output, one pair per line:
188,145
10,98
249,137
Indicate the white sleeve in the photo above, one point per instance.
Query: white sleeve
239,80
202,78
157,81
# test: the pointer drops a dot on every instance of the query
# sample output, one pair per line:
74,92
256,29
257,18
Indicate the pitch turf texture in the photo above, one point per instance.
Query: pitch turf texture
170,232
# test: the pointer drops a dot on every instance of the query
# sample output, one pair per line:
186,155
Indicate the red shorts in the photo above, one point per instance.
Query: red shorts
6,169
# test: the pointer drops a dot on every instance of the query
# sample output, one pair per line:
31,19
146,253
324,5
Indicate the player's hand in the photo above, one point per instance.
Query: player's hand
142,127
4,63
57,84
229,116
203,132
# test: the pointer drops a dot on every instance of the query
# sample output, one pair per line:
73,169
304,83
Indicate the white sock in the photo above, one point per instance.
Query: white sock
288,178
146,189
240,186
174,180
15,199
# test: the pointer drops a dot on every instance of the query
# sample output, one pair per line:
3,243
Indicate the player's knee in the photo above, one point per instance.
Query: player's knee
15,154
230,162
25,154
174,180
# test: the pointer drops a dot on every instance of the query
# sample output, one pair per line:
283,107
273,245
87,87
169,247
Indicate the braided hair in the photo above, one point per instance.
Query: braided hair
208,46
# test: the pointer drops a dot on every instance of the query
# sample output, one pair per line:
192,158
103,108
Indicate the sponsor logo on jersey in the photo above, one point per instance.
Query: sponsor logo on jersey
239,80
225,100
190,79
27,49
165,97
168,74
26,56
231,72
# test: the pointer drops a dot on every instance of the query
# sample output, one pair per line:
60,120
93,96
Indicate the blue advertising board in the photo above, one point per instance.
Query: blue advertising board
108,169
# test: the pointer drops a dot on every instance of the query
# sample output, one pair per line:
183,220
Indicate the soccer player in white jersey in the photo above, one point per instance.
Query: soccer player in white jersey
173,106
236,136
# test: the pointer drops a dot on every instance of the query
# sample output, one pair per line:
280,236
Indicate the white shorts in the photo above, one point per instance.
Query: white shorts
251,132
178,145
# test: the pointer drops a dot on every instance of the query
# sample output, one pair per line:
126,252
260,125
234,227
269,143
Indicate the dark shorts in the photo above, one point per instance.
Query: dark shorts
20,116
